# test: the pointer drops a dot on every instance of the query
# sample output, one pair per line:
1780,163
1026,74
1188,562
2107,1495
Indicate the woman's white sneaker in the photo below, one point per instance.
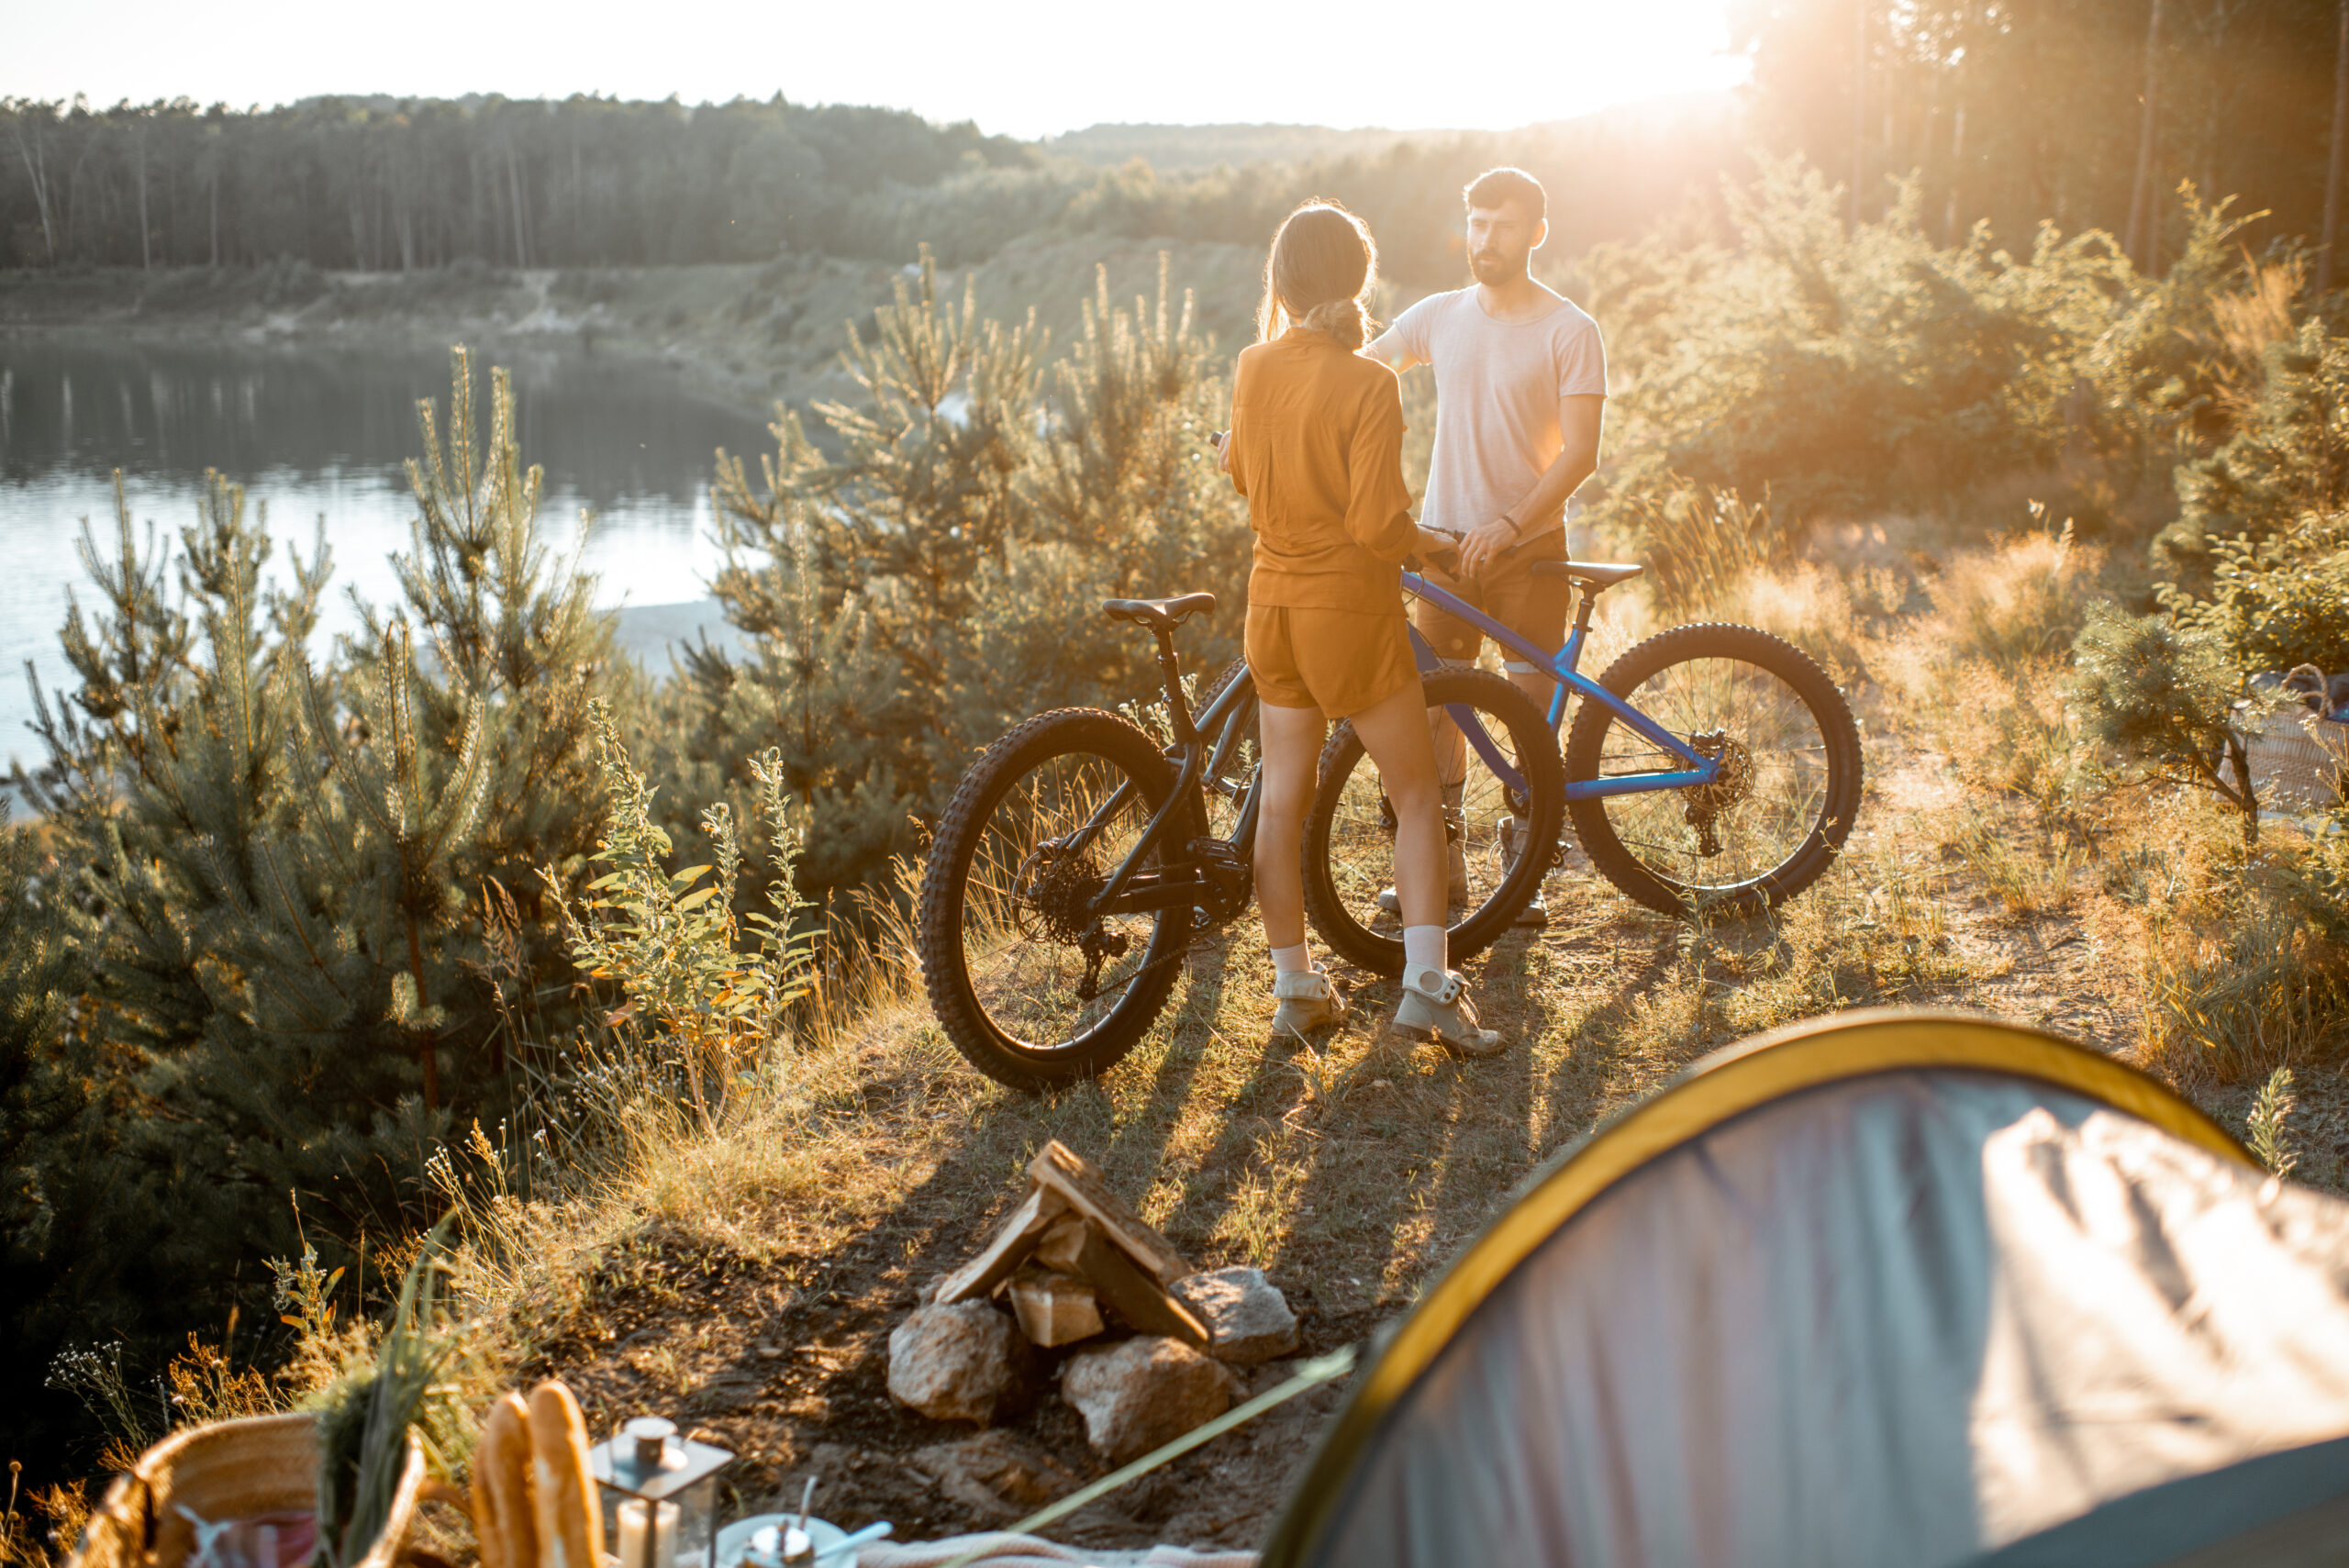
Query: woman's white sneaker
1445,1016
1306,1000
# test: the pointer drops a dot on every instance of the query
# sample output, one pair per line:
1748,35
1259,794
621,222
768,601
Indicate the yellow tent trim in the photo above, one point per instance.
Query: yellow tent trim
1722,1086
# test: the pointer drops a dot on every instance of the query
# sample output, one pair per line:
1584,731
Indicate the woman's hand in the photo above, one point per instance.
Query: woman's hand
1433,543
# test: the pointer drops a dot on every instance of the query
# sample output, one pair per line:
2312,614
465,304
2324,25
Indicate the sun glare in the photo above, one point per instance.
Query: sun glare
1028,68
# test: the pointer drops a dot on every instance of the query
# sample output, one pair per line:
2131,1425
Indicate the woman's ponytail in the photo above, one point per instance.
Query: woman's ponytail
1343,319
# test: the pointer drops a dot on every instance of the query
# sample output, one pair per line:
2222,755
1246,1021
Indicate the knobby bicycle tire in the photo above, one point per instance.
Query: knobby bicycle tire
1340,830
983,1027
1803,790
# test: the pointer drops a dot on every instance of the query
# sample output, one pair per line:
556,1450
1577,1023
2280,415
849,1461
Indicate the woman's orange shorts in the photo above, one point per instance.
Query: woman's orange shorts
1341,661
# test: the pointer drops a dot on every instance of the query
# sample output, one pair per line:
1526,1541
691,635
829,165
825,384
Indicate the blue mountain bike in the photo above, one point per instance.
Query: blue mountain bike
1079,856
1710,766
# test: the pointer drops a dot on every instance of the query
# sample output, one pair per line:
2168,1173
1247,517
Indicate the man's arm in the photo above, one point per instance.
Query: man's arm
1390,347
1581,419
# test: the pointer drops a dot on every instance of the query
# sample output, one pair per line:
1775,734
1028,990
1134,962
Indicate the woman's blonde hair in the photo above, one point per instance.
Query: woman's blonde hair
1323,261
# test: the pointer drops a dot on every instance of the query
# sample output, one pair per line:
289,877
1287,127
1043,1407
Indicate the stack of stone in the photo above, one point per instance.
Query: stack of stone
1073,1264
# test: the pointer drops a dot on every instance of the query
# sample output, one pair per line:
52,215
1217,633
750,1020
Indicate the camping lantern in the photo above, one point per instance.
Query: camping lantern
660,1495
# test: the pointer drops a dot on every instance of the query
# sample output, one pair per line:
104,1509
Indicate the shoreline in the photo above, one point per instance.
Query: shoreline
742,336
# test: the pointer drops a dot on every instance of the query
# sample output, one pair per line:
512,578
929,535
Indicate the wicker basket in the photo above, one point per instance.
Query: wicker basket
2295,763
224,1470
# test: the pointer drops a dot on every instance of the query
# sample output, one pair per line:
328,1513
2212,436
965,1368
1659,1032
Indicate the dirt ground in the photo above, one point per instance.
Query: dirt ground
1349,1176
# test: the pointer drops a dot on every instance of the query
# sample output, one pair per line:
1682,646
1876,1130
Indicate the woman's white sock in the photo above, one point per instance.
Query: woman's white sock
1293,961
1423,957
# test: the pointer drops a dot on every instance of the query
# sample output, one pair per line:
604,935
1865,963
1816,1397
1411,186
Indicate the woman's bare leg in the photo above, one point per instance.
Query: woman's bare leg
1292,741
1395,733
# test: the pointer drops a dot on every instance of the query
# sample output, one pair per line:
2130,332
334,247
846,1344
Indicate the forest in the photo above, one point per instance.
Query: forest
1988,350
2082,113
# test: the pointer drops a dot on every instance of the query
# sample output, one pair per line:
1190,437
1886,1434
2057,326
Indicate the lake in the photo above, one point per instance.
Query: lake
314,432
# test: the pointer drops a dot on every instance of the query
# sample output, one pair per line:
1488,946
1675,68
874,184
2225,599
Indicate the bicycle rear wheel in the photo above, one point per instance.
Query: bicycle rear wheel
1350,833
1031,991
1789,789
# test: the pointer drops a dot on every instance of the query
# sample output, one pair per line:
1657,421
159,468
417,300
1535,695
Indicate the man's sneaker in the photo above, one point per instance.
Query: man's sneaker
1514,831
1456,882
1447,1017
1305,1001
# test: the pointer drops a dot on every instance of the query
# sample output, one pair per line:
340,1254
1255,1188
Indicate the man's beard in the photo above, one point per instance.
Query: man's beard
1492,267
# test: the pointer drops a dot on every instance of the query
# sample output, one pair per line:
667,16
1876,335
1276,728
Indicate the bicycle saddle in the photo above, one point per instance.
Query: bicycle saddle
1162,615
1592,574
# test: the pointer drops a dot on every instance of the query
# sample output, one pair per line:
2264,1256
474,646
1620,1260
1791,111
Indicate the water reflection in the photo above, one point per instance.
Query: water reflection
317,432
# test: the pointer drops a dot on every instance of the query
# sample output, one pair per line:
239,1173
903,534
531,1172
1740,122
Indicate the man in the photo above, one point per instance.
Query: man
1520,394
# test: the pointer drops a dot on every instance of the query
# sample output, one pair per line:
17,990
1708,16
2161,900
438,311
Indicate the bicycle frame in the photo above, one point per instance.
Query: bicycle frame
1132,891
1129,890
1561,667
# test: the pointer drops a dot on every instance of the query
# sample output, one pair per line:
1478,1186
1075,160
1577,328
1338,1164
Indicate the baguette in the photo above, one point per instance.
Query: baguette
503,1515
570,1525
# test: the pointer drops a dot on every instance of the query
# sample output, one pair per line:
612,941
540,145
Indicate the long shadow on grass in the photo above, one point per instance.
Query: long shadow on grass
1135,1153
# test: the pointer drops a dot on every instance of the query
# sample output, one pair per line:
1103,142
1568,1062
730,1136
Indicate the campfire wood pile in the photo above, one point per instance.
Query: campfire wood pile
1076,1267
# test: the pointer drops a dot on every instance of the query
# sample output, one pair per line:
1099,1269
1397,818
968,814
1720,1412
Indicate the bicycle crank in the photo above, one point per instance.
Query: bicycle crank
1733,782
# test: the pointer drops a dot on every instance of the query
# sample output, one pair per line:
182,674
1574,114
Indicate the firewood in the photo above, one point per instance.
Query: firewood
1055,1309
1077,1247
1061,1169
1014,1240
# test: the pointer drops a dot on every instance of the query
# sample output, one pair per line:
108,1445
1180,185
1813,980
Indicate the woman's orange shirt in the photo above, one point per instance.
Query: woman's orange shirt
1317,446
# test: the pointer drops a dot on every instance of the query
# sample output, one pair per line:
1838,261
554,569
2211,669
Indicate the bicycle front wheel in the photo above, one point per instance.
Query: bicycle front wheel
1491,738
1032,991
1789,784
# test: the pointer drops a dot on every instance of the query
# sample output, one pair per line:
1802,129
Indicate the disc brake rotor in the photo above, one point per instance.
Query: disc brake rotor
1733,782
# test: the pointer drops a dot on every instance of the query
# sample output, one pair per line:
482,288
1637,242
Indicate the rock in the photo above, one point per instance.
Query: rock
1144,1392
1248,1319
963,1363
997,1475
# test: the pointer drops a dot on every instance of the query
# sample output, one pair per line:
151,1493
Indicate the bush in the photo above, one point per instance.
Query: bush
943,578
1851,374
2161,695
2277,601
2288,461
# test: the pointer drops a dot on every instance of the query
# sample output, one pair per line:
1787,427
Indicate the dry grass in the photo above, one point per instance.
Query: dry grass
744,1273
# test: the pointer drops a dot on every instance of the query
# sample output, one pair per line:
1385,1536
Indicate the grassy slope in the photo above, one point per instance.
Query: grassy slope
747,1278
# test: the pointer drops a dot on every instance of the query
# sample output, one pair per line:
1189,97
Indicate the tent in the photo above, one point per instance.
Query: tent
1883,1288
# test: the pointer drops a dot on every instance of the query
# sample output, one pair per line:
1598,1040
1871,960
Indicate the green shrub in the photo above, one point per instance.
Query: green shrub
2288,460
1846,374
2160,696
943,578
2279,600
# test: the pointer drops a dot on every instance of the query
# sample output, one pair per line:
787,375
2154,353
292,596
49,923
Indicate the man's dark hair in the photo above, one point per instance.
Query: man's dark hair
1494,186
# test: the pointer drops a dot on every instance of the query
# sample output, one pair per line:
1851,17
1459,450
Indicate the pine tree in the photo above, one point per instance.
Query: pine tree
273,864
943,577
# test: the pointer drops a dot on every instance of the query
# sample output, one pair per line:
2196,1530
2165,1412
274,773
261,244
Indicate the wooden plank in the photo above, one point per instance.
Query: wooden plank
1055,1309
1062,1170
1136,1299
1014,1240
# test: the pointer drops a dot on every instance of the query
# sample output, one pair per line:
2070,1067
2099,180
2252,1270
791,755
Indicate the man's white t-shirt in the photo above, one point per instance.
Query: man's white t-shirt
1496,389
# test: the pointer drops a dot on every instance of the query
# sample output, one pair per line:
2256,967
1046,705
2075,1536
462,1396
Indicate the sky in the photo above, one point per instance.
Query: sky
1026,68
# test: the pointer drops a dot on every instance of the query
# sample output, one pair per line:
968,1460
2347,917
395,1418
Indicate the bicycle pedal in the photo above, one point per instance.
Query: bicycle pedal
1232,878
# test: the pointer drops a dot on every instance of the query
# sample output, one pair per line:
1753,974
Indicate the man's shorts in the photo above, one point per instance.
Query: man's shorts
1533,607
1341,662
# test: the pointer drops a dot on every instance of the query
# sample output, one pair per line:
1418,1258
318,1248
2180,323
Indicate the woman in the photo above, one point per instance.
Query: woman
1316,445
